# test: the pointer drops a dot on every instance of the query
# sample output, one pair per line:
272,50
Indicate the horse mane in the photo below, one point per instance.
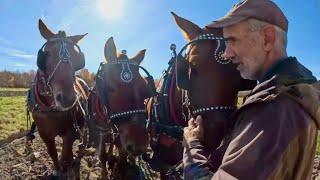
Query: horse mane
216,31
122,56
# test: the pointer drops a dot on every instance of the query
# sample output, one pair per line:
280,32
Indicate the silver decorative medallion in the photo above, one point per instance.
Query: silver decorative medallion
218,53
126,73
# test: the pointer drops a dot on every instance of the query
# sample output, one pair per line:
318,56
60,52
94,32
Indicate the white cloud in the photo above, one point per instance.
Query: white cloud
20,65
11,52
7,50
25,56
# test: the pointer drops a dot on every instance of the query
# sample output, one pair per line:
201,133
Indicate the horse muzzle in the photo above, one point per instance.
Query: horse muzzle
64,102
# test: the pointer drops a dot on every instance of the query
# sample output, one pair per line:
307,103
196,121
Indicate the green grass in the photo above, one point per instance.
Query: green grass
13,89
12,115
5,92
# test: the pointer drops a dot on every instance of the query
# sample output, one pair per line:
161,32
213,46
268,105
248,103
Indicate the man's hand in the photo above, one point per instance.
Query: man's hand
194,131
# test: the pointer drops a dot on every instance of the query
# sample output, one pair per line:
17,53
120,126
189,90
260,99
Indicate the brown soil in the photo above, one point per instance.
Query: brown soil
19,162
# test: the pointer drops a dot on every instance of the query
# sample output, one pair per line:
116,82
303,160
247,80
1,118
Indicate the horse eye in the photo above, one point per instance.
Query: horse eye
110,89
193,69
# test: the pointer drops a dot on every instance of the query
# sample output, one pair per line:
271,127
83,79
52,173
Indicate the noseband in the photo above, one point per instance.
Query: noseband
126,76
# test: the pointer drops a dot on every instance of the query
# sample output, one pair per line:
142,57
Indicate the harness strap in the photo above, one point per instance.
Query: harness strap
36,89
101,113
171,97
80,88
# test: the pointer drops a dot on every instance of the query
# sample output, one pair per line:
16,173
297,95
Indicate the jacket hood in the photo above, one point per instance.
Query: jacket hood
308,96
290,78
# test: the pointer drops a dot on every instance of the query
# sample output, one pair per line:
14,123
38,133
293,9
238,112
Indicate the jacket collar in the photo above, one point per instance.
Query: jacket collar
291,68
285,72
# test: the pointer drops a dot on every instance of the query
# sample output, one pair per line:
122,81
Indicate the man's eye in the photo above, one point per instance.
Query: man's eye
229,40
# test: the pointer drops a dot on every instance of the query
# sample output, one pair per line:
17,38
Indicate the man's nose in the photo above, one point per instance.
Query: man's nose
228,54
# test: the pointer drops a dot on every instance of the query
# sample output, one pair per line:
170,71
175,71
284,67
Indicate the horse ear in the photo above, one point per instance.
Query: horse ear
75,39
189,29
110,50
139,57
45,31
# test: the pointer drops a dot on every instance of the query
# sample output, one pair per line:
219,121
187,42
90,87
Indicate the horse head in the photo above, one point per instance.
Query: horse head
211,82
58,60
123,90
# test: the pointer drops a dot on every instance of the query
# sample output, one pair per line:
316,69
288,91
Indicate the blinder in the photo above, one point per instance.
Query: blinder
100,85
182,64
42,58
64,54
182,73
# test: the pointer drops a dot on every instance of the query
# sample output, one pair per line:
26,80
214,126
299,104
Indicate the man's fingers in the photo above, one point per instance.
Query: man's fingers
200,127
199,120
191,122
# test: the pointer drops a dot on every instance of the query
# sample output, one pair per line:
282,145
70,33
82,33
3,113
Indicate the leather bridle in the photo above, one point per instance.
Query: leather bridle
126,76
183,78
64,57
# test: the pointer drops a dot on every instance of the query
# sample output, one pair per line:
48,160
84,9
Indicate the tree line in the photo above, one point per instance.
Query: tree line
17,79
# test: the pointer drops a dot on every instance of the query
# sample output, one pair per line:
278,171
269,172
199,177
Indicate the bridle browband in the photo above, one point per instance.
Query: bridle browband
126,76
207,37
64,55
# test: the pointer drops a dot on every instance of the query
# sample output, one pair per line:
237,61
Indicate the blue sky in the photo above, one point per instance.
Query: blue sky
135,25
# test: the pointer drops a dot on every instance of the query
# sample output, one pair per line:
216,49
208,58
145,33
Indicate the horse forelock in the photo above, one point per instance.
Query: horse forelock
216,31
122,57
62,34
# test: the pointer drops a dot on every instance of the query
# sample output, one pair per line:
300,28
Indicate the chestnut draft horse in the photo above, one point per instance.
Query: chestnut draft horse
117,110
57,98
208,86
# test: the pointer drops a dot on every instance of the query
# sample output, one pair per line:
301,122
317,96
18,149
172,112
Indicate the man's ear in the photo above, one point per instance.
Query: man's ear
269,33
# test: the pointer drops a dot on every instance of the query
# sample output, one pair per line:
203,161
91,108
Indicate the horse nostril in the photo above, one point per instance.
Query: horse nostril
59,97
129,148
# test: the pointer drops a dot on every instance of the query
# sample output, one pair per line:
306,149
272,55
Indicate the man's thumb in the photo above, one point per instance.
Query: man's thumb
199,121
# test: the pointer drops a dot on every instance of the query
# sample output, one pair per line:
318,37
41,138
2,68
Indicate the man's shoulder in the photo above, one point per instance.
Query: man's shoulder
280,96
271,89
262,93
269,98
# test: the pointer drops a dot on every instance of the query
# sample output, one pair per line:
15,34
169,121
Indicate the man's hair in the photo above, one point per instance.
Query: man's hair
255,25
